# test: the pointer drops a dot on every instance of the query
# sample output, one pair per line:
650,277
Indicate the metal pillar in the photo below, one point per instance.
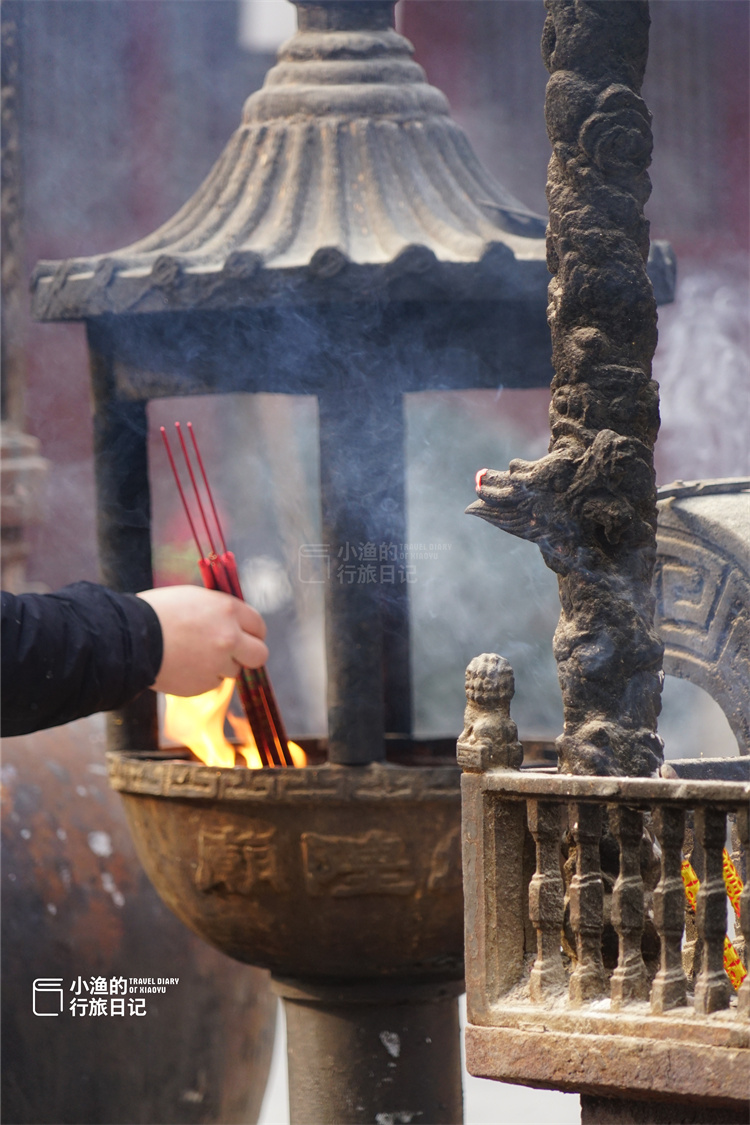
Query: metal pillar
384,1052
367,621
123,519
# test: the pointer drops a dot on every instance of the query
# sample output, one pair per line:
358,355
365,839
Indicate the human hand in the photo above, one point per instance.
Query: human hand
208,636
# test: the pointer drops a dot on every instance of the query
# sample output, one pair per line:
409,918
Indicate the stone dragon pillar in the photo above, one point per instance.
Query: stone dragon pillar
590,503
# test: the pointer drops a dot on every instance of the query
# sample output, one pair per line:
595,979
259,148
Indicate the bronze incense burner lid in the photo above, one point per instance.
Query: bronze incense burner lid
346,176
325,873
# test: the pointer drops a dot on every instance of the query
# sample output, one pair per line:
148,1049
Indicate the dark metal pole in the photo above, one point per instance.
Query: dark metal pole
123,518
364,529
373,1052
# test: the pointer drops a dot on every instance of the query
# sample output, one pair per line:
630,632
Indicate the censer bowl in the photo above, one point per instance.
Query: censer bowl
329,872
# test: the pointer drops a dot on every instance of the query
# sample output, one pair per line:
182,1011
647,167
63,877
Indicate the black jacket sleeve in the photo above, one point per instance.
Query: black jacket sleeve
68,654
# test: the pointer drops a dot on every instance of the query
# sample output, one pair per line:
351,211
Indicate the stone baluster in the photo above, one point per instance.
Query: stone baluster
743,831
493,840
588,981
670,984
630,979
712,987
546,900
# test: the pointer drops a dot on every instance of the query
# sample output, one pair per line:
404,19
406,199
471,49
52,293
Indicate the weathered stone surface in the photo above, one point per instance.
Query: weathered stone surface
712,987
670,985
588,980
630,979
535,1031
490,737
494,922
590,504
636,791
548,976
702,587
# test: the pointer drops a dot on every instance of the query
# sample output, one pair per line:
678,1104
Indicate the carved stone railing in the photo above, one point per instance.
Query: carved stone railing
585,970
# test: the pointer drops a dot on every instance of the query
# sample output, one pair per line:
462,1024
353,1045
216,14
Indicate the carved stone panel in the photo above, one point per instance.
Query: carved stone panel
702,586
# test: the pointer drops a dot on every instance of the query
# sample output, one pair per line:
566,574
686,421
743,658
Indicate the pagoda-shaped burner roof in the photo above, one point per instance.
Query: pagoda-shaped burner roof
347,179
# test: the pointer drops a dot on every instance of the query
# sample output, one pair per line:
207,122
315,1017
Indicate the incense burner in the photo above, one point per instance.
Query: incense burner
345,882
324,873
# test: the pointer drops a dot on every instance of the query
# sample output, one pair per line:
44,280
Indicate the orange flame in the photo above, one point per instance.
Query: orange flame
198,722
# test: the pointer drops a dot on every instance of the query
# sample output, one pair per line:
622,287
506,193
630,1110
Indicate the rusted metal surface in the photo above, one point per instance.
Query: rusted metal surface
621,1045
328,191
321,251
613,1111
590,504
659,1030
400,1042
371,154
633,1023
75,904
368,856
314,256
588,1063
344,157
547,1011
702,586
345,882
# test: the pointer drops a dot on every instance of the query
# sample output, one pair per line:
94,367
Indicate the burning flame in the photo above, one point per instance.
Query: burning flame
198,722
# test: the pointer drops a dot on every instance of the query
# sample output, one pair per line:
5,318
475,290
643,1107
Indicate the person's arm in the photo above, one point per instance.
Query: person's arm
87,648
68,654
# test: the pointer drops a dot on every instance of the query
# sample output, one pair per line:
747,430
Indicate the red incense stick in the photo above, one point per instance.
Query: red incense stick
230,566
219,572
207,486
195,486
255,682
214,578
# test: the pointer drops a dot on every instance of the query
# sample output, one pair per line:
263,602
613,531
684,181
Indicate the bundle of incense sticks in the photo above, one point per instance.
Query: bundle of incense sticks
219,572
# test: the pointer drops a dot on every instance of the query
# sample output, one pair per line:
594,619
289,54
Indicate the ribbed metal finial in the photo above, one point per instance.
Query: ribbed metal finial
344,15
361,72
